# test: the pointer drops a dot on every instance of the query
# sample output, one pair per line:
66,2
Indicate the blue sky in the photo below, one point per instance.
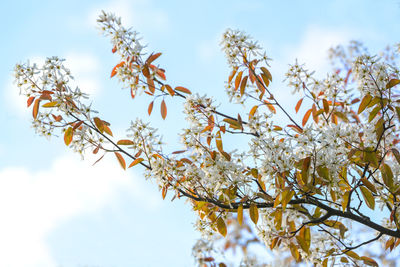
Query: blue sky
60,211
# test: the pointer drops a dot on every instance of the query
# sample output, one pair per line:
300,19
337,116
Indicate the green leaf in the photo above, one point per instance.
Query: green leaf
364,103
267,73
387,175
392,83
371,156
368,197
373,113
221,226
68,136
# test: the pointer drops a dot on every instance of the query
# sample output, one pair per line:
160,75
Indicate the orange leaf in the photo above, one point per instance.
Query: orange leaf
125,142
35,110
218,141
252,111
238,79
161,73
298,105
164,192
68,136
30,101
152,57
163,110
150,108
120,160
135,162
76,125
114,49
306,117
270,106
232,74
183,90
114,70
169,89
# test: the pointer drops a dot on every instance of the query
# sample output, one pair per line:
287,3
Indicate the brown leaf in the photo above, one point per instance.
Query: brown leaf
183,90
120,160
253,213
153,57
267,73
99,124
240,215
392,83
243,85
163,110
125,142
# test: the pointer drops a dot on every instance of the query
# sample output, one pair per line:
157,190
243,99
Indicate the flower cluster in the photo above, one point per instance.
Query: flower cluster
125,41
236,45
62,106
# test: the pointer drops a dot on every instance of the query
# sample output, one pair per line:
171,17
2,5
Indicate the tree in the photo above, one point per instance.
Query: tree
305,185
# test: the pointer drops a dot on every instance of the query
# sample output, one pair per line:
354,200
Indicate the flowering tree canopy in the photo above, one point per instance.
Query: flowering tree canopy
306,185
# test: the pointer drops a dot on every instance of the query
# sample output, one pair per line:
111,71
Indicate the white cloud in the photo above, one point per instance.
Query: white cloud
313,47
84,67
32,204
138,14
207,50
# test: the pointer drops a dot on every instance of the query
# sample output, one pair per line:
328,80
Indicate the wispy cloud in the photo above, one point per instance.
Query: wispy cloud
84,67
208,50
314,45
32,204
139,14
